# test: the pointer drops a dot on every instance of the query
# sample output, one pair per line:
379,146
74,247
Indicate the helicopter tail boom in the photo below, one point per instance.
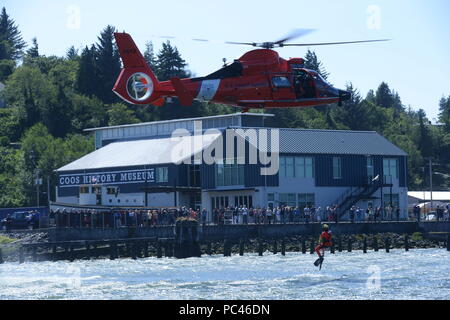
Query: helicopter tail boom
137,83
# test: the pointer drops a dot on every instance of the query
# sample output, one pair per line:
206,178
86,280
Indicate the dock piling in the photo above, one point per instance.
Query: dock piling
260,248
159,250
448,242
209,248
112,254
145,249
375,244
303,245
241,248
406,242
283,247
387,244
312,248
275,247
350,244
340,244
1,256
365,244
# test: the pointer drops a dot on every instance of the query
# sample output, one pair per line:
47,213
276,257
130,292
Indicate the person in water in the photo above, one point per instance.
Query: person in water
324,241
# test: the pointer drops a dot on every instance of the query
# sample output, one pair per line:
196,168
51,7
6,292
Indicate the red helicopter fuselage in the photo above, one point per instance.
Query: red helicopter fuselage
259,79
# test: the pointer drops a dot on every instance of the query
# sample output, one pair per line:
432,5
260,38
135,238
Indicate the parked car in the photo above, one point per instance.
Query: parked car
17,221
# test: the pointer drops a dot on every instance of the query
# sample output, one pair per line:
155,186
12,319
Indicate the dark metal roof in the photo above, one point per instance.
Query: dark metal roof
337,142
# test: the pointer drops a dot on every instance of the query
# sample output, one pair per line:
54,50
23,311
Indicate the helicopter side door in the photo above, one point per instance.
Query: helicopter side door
304,85
282,88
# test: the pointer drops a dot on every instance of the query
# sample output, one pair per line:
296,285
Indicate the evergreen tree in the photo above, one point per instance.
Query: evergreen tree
108,65
11,42
353,113
72,54
87,76
425,142
170,64
313,63
388,99
33,52
444,115
149,55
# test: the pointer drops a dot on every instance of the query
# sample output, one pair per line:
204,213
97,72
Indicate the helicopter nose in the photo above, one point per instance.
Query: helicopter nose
344,95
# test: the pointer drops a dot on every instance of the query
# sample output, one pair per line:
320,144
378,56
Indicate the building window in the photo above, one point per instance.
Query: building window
306,200
162,175
298,167
390,168
304,167
229,174
337,168
111,191
287,199
84,190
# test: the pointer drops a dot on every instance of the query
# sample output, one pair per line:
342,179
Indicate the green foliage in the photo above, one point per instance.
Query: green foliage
170,64
417,236
11,42
108,65
120,114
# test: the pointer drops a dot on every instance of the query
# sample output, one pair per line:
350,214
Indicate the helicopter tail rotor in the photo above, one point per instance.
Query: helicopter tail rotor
137,84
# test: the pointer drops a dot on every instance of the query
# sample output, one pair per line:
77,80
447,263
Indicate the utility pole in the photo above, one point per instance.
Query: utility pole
431,185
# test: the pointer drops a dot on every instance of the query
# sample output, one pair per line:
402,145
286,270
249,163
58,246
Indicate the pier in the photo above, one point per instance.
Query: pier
189,239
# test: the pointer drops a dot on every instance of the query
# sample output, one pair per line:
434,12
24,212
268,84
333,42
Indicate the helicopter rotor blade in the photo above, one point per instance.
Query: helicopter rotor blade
254,44
296,33
330,43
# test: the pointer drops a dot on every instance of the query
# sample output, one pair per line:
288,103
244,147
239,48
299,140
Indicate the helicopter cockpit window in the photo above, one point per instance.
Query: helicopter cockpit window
281,82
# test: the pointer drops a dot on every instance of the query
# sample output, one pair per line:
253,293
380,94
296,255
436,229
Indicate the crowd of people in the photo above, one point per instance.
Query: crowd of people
231,215
442,213
286,214
74,218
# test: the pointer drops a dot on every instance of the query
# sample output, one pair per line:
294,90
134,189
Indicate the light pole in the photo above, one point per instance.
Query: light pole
431,185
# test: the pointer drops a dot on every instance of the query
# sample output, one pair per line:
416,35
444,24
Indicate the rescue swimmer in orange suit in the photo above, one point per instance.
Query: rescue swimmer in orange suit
324,241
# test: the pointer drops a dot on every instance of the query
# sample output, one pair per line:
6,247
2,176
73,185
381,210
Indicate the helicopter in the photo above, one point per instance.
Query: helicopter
260,79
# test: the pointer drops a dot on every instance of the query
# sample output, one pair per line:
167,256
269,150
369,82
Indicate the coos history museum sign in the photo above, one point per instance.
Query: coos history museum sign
113,178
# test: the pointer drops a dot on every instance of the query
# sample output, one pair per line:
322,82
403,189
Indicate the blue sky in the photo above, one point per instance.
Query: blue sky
416,63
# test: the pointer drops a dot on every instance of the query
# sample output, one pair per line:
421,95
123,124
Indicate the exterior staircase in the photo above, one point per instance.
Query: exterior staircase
355,194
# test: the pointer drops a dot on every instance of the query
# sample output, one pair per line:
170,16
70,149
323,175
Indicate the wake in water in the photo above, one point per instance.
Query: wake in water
417,274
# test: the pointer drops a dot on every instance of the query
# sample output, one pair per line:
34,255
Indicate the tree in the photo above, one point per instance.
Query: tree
149,55
33,52
31,92
119,114
72,54
386,98
313,63
108,65
425,142
87,76
11,42
444,114
170,64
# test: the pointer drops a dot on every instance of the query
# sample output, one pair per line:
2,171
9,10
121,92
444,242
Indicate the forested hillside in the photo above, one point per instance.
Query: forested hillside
50,100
